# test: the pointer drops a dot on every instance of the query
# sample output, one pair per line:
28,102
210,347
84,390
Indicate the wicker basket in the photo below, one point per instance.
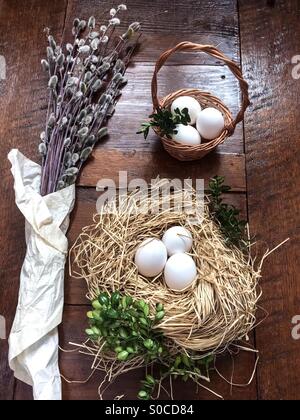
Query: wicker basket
185,152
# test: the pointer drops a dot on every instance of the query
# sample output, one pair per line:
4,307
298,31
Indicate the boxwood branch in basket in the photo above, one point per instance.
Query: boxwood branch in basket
227,215
85,81
166,121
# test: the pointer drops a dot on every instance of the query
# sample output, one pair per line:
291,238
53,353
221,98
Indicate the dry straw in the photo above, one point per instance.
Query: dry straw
216,311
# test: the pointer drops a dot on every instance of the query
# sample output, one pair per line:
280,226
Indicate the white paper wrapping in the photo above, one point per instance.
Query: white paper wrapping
33,342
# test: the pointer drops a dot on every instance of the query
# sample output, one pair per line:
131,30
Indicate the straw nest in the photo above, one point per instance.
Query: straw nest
217,310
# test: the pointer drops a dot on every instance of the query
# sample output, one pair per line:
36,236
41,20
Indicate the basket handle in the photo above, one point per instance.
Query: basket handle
214,52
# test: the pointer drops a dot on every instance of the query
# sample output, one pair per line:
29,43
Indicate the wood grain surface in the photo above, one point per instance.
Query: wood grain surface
264,36
145,165
272,129
165,23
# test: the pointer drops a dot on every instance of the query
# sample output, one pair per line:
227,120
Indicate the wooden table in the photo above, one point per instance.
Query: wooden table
261,161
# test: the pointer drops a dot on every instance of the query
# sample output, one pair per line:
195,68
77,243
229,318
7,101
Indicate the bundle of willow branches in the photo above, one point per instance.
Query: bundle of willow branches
85,82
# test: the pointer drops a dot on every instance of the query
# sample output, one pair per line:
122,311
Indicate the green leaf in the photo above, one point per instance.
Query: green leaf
103,299
140,304
129,300
159,307
123,333
143,395
148,344
146,310
143,321
145,128
96,304
97,316
133,313
112,313
186,361
150,380
123,355
124,302
104,332
178,361
96,331
90,315
89,332
160,315
115,299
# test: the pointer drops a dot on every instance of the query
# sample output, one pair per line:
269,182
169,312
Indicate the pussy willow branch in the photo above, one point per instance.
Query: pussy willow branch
85,82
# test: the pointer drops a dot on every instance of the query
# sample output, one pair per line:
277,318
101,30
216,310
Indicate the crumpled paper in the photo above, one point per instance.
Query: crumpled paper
33,342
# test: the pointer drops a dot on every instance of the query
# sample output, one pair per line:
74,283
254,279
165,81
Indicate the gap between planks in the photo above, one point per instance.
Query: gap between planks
107,164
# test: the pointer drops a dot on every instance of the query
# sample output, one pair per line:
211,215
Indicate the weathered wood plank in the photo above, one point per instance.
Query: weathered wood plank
146,165
167,23
22,43
23,392
270,37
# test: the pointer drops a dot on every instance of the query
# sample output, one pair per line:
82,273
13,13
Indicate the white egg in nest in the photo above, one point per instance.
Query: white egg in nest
186,134
151,257
180,272
210,123
190,103
177,240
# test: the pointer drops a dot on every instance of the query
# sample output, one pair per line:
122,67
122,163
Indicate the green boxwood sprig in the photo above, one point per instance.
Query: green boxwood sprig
127,326
166,121
227,216
179,366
